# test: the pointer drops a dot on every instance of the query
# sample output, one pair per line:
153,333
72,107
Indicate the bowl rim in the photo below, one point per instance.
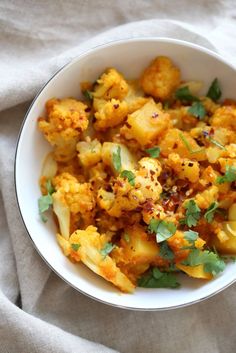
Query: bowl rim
67,64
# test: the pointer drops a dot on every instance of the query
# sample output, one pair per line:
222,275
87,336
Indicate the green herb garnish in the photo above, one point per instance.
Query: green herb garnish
214,91
191,236
192,215
45,201
154,152
158,279
184,94
165,251
187,145
197,109
210,212
130,176
116,159
229,177
88,95
163,229
75,247
211,261
218,144
108,247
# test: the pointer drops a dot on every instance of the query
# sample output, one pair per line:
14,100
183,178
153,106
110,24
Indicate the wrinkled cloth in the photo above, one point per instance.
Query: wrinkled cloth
38,311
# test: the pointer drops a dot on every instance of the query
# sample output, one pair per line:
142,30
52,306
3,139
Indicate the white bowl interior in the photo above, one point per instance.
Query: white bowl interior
130,57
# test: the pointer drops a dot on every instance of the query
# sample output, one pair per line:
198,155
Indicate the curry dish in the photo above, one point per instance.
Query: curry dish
142,177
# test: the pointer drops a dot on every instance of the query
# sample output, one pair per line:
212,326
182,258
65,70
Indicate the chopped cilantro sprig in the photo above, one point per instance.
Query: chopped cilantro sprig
192,214
210,212
184,94
157,279
130,176
229,177
163,229
197,109
116,159
154,152
214,91
45,201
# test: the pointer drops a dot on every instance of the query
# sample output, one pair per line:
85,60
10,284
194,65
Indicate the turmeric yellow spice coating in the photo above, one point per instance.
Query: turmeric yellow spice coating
142,177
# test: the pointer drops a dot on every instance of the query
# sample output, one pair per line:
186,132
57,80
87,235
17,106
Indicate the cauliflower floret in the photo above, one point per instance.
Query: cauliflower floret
205,198
66,119
111,85
146,124
181,142
109,113
126,197
226,161
161,78
225,117
90,252
89,152
71,198
185,168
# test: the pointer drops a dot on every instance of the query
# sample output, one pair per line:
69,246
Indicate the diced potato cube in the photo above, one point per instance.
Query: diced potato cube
228,246
196,271
148,123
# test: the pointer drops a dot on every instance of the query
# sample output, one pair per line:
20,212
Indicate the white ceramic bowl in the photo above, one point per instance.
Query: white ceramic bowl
130,57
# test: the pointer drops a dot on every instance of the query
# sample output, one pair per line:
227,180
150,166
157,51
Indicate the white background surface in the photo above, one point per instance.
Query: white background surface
37,37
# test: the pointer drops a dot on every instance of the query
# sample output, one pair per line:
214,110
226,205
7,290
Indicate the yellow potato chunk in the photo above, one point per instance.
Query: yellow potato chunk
161,78
205,198
227,244
196,271
147,124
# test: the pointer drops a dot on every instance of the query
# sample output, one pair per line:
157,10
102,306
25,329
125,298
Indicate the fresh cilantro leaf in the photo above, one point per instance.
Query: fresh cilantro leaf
210,212
75,247
214,91
154,152
211,261
230,175
88,95
165,251
163,229
44,202
184,94
49,187
192,215
158,279
191,236
127,174
197,109
108,247
116,159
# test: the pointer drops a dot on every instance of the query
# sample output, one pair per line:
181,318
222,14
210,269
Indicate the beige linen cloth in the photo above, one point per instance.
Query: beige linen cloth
38,311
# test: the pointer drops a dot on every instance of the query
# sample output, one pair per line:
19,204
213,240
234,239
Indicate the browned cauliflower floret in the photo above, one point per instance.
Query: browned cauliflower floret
184,167
224,116
111,85
160,78
109,113
71,198
91,250
146,124
66,119
126,197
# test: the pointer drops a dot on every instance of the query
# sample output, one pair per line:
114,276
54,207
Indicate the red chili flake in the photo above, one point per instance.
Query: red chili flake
148,206
87,110
116,106
152,172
